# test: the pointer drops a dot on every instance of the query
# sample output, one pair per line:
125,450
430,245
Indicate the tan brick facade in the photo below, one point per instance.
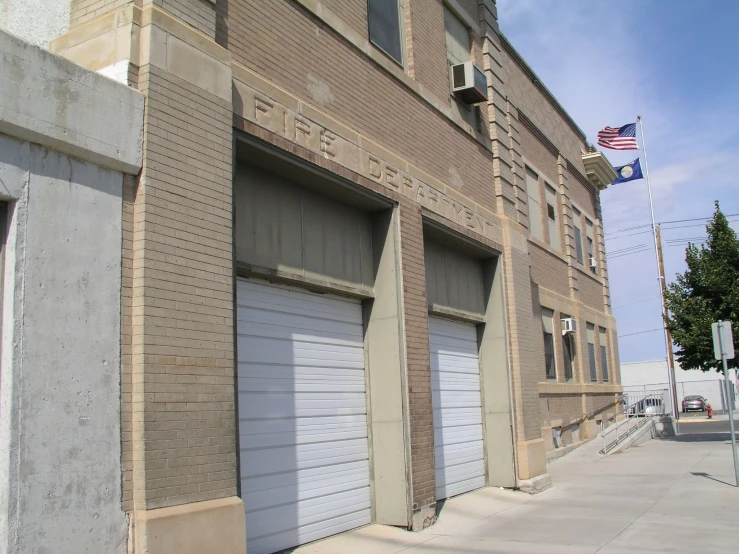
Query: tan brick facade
303,77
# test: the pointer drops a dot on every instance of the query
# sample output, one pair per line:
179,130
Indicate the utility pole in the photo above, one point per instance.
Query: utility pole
670,354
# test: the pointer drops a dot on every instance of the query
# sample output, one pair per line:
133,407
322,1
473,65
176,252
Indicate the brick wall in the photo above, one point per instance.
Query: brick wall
351,12
563,406
544,161
590,291
527,349
545,116
182,365
129,197
82,11
415,315
548,270
310,60
197,13
583,196
429,46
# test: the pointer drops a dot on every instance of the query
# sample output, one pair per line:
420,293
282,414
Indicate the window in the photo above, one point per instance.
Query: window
457,38
591,352
384,27
551,196
568,348
547,317
578,234
532,189
603,353
590,243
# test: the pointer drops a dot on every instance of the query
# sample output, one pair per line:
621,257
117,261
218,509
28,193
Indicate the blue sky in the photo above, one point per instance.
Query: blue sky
675,64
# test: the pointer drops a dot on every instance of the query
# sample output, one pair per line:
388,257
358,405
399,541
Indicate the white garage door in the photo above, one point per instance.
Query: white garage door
302,415
455,383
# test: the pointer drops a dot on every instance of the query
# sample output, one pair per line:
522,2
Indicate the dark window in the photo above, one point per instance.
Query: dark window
549,355
591,356
578,244
550,212
384,27
569,355
604,362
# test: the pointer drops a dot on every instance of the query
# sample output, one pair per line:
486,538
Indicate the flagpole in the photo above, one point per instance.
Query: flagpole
660,277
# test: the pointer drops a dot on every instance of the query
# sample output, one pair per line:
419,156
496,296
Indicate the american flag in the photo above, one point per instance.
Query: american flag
621,138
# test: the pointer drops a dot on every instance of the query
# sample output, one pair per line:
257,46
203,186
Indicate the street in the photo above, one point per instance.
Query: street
699,423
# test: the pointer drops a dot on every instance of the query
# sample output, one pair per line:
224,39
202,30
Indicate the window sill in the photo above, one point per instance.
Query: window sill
578,388
547,248
588,273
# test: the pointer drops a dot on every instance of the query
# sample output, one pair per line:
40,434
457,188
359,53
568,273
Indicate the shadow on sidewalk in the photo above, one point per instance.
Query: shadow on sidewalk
708,476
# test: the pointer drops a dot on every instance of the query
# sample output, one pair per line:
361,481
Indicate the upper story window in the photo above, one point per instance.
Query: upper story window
568,349
384,27
603,352
547,321
457,38
590,240
576,223
532,190
591,353
552,220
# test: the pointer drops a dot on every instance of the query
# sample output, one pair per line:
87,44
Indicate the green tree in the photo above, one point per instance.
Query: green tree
706,292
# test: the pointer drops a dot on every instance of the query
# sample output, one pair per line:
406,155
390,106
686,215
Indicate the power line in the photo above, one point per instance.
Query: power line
636,302
627,248
668,222
640,332
621,255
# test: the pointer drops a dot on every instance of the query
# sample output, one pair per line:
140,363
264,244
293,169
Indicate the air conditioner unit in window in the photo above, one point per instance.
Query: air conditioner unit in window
469,83
593,263
569,325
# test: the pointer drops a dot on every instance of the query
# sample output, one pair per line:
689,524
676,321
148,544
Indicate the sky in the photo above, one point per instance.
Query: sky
677,65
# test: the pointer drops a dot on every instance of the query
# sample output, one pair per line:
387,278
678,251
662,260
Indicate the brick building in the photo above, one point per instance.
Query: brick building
346,292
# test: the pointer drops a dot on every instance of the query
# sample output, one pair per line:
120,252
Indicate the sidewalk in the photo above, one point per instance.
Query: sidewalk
664,496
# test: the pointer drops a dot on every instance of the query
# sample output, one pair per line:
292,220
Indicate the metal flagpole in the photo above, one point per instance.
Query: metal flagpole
660,277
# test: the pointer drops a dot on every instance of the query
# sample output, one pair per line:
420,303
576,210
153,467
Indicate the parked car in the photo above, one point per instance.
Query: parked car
646,407
694,402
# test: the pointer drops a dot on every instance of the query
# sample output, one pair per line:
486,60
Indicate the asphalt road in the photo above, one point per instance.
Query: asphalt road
701,425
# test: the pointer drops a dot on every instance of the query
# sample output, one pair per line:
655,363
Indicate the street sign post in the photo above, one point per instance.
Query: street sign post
723,348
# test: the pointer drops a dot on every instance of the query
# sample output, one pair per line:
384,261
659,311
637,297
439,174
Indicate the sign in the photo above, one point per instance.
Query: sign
722,334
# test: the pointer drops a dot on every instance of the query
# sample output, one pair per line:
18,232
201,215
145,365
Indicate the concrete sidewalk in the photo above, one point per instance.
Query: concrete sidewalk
664,496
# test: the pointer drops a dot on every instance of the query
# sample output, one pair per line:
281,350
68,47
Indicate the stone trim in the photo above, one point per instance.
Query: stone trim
260,102
578,388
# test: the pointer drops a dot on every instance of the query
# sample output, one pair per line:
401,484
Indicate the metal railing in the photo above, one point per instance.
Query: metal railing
641,407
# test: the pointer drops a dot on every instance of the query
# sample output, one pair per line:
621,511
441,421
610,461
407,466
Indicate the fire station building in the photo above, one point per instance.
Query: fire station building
362,267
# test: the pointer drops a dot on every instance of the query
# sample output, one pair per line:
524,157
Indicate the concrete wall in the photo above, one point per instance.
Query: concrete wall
60,448
51,101
59,405
37,21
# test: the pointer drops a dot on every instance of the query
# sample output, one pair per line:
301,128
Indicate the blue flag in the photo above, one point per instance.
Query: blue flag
628,172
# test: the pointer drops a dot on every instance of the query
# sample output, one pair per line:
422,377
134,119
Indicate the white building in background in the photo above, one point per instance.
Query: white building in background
638,377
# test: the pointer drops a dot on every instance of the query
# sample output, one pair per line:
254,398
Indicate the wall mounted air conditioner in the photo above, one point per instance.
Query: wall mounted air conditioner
569,325
593,263
469,83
